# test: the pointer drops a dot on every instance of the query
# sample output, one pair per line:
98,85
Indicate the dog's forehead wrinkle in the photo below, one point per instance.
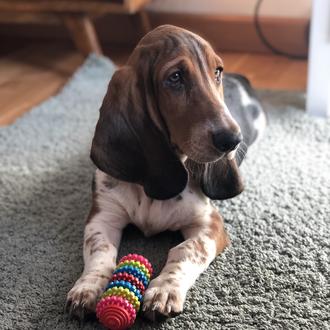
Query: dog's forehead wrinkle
202,54
171,38
200,57
175,40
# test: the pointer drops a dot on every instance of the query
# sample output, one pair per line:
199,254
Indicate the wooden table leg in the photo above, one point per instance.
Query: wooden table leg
83,33
144,21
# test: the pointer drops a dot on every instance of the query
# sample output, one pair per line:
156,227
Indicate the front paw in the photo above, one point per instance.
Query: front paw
162,299
82,298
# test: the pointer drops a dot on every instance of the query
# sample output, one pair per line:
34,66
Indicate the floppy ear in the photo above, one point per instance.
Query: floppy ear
127,144
218,180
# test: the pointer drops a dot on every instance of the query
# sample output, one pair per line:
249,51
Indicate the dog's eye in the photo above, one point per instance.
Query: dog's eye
218,74
175,78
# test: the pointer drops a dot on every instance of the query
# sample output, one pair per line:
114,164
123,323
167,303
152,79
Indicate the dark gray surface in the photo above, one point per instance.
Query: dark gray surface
276,273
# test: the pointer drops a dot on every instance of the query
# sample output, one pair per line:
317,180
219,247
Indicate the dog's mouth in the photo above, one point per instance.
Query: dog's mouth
212,157
206,157
209,155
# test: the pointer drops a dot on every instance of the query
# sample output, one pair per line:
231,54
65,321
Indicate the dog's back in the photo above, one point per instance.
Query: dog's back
245,107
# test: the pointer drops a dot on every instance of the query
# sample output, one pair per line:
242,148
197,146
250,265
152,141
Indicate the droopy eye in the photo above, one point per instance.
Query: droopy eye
175,78
217,73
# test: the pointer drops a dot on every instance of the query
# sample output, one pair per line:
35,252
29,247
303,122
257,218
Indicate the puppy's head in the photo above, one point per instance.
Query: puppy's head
187,76
164,106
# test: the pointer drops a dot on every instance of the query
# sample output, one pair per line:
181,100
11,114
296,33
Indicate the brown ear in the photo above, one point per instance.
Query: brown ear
128,146
218,180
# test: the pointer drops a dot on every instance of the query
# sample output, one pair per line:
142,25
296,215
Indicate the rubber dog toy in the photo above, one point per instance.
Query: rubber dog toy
122,298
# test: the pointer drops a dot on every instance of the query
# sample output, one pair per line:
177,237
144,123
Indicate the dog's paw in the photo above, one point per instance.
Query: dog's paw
162,300
82,298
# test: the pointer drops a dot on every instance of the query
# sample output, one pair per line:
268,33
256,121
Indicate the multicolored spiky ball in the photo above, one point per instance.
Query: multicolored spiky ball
121,300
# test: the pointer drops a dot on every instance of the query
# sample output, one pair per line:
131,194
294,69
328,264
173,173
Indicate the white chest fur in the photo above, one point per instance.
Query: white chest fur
150,215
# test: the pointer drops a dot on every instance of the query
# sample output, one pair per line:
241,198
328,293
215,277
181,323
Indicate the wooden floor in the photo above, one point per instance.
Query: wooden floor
33,73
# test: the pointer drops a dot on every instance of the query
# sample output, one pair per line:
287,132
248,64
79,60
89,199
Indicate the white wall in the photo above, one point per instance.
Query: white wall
318,89
282,8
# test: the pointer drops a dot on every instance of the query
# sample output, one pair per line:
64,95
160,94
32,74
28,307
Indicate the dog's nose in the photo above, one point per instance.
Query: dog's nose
226,141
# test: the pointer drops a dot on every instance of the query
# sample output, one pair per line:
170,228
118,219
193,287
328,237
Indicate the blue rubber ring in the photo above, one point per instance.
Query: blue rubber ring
135,272
125,285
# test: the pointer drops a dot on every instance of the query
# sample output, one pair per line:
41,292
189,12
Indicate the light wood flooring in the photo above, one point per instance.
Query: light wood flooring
32,73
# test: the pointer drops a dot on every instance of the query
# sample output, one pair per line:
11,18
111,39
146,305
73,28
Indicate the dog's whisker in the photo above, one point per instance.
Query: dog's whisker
240,155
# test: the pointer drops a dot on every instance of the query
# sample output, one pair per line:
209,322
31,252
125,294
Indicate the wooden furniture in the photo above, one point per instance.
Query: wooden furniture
77,15
25,70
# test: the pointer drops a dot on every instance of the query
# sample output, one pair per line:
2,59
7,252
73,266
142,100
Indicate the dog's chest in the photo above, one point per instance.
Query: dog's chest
154,216
149,215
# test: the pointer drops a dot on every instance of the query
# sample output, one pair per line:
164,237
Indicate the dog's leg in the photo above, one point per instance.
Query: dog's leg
101,240
204,240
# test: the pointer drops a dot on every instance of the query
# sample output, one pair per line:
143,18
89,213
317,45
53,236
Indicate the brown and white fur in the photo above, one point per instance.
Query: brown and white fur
164,145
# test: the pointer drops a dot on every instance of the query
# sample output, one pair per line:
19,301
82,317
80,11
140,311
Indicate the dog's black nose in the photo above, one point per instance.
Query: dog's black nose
226,141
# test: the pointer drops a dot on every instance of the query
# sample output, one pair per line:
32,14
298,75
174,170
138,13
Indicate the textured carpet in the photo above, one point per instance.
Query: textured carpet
276,273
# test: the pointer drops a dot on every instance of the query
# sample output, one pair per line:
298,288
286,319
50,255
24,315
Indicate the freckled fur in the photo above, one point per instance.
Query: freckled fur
94,209
92,239
217,232
102,247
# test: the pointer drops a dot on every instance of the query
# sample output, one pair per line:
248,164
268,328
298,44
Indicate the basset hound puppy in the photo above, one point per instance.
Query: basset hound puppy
171,134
